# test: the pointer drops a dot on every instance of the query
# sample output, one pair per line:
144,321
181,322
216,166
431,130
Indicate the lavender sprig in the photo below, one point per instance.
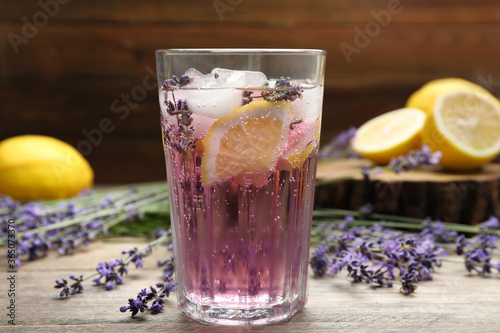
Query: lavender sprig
64,225
140,303
477,253
413,160
372,253
111,273
179,136
377,255
283,90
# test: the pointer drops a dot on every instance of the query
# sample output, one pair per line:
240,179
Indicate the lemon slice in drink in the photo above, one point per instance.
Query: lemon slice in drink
246,144
465,127
302,140
389,135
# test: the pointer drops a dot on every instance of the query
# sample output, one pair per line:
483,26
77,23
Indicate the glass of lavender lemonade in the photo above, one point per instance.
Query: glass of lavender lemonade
240,134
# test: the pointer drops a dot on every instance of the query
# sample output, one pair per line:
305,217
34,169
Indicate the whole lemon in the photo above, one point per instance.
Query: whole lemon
37,167
425,98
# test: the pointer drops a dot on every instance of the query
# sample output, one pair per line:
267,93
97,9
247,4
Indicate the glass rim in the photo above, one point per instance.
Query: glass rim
214,51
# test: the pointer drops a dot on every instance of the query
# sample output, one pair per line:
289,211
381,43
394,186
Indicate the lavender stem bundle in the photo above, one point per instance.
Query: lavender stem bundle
64,225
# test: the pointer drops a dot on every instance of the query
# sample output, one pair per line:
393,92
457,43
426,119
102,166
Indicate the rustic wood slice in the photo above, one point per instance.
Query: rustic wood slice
466,197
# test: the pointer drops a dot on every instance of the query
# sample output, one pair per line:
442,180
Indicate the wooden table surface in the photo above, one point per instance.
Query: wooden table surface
454,302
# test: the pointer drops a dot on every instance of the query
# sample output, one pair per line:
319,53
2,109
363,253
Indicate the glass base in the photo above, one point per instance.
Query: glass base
213,315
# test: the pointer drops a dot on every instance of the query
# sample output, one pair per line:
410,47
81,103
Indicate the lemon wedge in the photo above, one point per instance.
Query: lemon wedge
302,140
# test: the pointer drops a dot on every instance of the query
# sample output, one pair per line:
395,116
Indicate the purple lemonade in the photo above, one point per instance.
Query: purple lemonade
241,154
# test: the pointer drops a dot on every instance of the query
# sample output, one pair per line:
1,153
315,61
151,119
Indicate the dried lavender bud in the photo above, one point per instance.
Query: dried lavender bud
63,283
339,146
319,260
157,297
168,268
112,277
409,282
169,84
76,287
415,159
183,80
375,254
135,305
477,253
491,223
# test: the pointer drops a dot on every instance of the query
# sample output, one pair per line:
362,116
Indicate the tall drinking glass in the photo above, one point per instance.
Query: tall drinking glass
240,134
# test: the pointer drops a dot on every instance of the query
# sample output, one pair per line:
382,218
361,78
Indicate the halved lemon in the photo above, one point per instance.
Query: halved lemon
246,144
425,98
389,135
465,127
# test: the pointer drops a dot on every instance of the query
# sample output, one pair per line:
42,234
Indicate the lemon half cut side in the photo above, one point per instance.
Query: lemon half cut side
389,135
465,127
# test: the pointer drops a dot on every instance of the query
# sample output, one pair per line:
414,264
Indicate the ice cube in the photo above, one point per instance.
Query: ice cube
226,78
255,79
309,107
200,80
240,79
193,73
214,103
214,95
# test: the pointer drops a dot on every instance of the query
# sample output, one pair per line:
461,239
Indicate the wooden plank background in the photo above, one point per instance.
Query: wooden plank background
87,54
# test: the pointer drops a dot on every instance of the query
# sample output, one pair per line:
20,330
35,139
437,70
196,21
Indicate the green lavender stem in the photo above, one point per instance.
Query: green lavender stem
142,205
393,221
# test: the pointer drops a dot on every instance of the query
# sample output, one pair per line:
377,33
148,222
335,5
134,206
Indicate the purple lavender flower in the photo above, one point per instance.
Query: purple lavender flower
157,297
478,253
76,287
366,209
247,97
175,82
437,231
135,305
491,223
339,146
319,261
137,256
375,255
67,290
168,268
415,159
112,271
409,282
283,91
63,283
